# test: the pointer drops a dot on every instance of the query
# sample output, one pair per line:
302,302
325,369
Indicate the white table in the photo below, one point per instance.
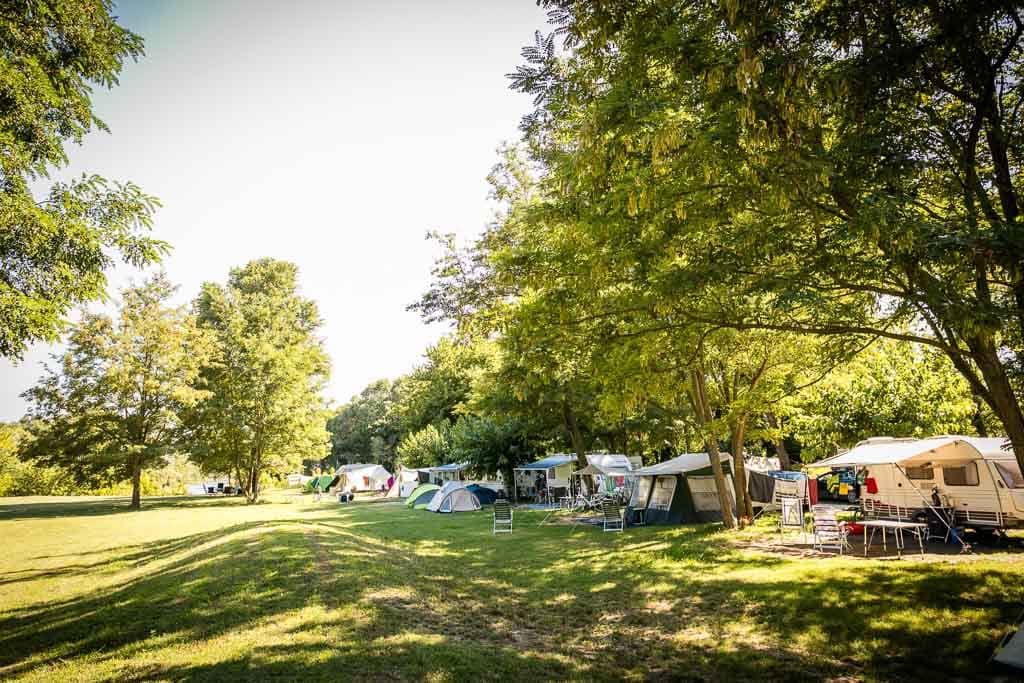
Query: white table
897,527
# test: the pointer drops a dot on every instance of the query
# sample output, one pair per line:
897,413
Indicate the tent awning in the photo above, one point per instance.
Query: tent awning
911,453
687,462
594,470
450,467
547,463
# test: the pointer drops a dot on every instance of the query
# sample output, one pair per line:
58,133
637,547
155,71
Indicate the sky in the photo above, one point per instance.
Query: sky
331,134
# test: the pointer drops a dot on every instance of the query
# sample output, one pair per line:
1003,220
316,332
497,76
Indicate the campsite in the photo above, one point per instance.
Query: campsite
517,340
208,589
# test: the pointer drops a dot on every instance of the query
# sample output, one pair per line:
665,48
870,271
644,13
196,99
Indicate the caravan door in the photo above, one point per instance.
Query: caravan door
972,490
1010,484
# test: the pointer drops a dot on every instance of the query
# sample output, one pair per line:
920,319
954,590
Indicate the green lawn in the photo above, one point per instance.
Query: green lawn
215,589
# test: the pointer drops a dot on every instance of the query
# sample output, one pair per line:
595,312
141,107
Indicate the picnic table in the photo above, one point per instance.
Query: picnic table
898,527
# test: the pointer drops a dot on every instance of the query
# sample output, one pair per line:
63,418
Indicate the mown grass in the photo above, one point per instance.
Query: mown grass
213,589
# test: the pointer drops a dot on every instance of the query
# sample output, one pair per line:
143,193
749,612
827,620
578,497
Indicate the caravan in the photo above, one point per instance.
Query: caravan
975,478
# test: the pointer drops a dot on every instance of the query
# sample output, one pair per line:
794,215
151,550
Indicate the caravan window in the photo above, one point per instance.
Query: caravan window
965,475
1011,475
922,472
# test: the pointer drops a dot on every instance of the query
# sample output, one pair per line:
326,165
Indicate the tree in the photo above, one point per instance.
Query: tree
891,389
111,408
839,168
264,413
427,447
53,253
493,445
368,427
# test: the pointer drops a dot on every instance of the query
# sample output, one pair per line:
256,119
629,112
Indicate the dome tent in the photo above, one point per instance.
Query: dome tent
485,495
454,497
422,495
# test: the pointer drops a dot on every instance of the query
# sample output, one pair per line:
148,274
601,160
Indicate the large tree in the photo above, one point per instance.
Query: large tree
111,407
265,412
834,168
54,250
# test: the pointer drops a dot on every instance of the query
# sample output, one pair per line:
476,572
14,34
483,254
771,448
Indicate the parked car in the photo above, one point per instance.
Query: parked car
831,483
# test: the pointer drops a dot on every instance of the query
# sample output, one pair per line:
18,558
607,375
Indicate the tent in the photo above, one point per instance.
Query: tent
422,495
363,477
606,471
485,495
406,481
976,477
681,490
557,470
453,497
324,480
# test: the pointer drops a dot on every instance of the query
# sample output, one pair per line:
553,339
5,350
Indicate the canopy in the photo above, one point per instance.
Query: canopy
450,467
681,464
944,450
549,462
607,464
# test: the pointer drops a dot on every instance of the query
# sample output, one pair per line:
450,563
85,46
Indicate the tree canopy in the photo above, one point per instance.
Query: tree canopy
111,406
264,412
54,251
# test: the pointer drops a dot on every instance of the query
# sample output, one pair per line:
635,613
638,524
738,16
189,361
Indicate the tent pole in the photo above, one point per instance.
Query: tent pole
931,507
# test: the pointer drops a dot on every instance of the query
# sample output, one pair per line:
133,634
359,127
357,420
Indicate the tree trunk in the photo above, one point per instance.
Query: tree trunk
744,508
1001,397
703,410
574,433
777,441
136,466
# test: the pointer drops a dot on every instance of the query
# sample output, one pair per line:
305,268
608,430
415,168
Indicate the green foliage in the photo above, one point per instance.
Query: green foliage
111,407
53,253
427,447
492,445
367,428
734,165
891,389
264,413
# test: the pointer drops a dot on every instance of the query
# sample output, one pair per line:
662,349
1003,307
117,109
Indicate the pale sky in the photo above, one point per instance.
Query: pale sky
331,134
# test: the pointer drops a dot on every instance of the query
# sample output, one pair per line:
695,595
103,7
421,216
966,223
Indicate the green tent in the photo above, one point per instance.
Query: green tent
421,496
680,490
324,481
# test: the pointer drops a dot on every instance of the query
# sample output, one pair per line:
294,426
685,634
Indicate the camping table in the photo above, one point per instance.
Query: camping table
898,527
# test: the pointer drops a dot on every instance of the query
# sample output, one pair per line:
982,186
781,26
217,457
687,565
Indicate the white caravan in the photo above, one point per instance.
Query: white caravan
974,476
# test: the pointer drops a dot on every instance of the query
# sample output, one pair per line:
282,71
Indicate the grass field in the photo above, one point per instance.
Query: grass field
214,589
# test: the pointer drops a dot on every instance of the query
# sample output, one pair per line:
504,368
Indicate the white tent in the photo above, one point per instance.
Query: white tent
406,480
454,497
605,470
363,477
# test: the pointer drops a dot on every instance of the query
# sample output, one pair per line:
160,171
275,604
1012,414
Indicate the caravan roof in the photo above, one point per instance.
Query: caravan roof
687,462
609,464
549,462
950,450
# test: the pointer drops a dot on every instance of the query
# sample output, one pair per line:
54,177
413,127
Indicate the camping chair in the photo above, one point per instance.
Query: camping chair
829,531
611,512
502,517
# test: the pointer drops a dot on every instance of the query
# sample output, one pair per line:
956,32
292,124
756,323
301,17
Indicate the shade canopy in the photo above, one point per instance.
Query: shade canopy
943,450
450,467
607,464
687,462
549,462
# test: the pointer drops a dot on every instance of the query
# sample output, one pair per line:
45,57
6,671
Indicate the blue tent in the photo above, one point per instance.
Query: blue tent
485,495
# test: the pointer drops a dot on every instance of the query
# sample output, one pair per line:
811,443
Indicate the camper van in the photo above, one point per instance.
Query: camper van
974,476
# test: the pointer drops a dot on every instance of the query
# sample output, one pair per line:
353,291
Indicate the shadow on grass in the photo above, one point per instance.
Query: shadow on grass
12,508
383,592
